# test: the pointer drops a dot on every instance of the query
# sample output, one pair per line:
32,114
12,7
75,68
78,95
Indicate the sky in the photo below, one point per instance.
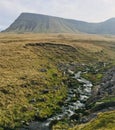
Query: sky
85,10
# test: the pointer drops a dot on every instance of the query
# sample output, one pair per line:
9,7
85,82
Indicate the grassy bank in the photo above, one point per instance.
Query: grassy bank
31,82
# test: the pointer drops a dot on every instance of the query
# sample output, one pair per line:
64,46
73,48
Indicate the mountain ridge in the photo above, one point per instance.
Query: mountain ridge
40,23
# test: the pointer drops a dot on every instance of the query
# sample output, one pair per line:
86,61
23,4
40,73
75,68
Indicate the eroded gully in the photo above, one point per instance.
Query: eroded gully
70,105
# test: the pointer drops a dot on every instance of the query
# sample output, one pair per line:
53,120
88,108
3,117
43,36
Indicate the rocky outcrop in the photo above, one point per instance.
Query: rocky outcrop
82,103
108,83
106,87
103,96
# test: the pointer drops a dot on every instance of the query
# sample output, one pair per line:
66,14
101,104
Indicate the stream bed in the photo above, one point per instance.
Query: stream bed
70,105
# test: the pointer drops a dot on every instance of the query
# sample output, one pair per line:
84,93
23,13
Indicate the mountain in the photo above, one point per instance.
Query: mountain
38,23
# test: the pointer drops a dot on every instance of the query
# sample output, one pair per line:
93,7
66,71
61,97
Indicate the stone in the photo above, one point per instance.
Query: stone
43,70
75,117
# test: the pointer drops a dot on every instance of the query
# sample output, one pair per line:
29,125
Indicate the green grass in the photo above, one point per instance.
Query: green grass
27,93
104,121
108,99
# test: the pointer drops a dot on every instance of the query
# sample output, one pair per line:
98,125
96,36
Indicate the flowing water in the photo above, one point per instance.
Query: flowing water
70,105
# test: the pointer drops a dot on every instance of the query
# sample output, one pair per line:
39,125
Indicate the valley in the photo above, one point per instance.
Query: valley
56,81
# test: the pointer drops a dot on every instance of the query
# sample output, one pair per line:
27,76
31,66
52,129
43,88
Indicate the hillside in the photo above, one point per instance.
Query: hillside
36,78
28,22
38,23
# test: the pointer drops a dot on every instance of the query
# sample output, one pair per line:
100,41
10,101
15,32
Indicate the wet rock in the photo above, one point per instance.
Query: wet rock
52,123
103,106
84,120
35,126
70,72
113,90
75,117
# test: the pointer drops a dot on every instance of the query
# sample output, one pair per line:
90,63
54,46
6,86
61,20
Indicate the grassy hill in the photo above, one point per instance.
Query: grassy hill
30,76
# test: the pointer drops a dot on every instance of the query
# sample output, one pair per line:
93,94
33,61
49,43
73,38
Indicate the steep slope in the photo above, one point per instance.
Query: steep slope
37,23
28,22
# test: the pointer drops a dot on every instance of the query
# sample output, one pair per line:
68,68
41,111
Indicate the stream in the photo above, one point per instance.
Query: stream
70,105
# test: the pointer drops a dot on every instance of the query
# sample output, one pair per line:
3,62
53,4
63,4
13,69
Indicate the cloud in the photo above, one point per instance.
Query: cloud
86,10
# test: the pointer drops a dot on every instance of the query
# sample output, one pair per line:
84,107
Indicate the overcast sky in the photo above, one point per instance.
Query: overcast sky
86,10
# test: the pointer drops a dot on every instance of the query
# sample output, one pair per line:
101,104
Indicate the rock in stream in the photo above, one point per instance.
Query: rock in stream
69,107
